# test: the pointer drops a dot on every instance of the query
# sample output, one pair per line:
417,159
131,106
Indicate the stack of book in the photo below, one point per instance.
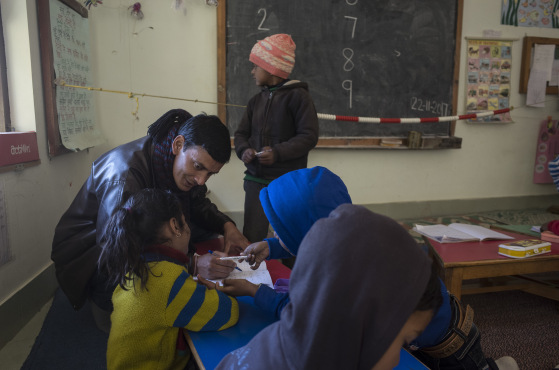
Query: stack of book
549,236
524,248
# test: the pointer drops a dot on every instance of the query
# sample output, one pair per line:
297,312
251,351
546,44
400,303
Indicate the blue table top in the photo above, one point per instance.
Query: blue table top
211,347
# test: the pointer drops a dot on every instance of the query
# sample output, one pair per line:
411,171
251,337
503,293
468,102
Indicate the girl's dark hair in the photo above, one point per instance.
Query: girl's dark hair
432,297
133,227
205,131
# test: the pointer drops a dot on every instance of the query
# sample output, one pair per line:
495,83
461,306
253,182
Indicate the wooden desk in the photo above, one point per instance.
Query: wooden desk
208,348
478,260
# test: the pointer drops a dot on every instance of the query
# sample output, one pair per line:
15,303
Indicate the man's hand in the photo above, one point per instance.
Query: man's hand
267,156
233,240
211,267
256,253
238,287
248,155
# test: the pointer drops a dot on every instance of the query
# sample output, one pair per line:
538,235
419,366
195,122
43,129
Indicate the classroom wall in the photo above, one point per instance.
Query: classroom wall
35,197
178,58
174,54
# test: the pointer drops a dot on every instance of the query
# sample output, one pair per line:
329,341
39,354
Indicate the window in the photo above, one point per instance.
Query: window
5,124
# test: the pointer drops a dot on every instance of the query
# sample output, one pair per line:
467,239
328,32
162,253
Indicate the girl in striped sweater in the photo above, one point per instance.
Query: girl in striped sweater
145,252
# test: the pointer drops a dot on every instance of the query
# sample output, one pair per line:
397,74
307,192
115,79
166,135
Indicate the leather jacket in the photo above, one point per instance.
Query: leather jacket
284,119
114,177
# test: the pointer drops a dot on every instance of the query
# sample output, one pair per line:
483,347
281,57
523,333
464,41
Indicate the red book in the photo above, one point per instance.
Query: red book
549,236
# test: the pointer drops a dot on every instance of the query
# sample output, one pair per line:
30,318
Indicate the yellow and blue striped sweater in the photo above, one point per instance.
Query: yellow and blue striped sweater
145,323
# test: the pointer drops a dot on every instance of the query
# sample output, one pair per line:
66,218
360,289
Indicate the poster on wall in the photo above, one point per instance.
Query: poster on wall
533,13
71,59
488,81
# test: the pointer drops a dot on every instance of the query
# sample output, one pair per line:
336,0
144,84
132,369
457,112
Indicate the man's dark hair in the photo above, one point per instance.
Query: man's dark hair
209,133
205,131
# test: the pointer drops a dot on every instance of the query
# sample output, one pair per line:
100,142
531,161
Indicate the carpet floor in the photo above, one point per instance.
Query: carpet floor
69,339
520,325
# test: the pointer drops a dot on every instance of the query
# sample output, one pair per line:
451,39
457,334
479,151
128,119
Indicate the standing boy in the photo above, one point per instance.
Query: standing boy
278,129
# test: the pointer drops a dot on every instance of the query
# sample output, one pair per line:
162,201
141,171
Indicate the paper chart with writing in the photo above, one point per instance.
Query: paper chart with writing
259,276
540,73
489,78
71,59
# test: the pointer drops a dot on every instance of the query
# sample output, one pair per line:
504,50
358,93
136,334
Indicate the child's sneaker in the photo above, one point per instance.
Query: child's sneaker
507,363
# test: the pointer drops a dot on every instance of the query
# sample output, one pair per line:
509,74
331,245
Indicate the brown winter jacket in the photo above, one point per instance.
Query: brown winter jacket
284,119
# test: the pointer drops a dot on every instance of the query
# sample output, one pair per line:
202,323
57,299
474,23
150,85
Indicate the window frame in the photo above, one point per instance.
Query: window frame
5,123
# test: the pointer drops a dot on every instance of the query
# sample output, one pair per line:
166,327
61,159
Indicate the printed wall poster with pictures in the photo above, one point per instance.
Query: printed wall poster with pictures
533,13
488,82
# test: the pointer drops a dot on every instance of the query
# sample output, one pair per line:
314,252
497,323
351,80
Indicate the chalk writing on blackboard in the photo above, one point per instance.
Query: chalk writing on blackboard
360,58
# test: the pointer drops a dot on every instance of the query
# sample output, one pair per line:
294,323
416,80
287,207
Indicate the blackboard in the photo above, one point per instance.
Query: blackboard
388,59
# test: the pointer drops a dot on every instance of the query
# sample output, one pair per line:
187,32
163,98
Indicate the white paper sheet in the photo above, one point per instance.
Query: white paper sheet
536,89
258,276
540,73
554,73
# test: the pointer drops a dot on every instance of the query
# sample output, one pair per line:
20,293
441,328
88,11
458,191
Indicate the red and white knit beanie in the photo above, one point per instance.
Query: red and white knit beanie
275,54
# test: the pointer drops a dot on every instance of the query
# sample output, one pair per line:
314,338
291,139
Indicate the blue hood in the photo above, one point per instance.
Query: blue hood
296,200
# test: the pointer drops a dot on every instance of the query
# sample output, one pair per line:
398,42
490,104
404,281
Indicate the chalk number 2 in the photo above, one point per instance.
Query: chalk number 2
264,14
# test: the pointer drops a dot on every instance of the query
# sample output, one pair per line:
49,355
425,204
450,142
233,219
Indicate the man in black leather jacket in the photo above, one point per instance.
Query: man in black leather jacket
179,154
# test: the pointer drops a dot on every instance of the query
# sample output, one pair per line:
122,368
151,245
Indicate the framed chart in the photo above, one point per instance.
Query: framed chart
489,63
65,56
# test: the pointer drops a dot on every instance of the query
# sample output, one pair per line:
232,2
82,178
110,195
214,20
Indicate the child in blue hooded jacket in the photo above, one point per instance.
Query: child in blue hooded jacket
293,203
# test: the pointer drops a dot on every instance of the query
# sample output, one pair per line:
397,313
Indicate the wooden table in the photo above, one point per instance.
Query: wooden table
479,260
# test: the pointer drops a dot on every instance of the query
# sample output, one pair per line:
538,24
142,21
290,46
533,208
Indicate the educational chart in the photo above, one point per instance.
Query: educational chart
547,150
71,56
533,13
542,74
488,83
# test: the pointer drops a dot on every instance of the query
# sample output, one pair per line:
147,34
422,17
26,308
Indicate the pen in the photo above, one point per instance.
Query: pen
211,252
262,152
232,258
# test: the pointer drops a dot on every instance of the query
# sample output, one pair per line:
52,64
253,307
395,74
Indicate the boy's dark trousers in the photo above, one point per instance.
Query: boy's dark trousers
256,224
460,349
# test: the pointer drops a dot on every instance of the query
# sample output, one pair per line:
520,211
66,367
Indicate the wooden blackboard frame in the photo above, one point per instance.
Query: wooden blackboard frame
526,64
340,142
55,145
